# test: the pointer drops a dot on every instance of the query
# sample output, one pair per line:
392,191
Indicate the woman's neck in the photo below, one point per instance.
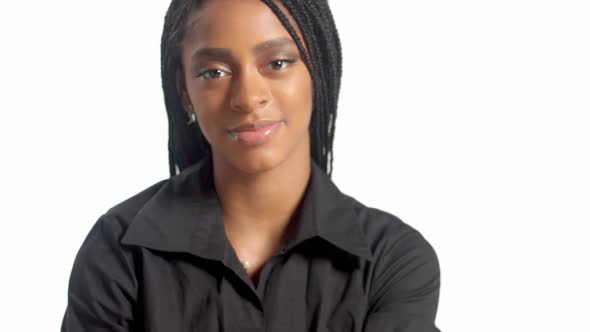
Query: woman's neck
257,208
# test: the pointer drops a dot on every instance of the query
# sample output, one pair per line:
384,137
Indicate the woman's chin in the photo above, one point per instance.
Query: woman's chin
254,162
262,158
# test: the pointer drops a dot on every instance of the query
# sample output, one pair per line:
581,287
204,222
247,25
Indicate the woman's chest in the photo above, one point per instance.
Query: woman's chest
293,294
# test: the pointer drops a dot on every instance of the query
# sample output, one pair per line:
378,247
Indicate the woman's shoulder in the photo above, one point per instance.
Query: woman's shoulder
405,271
126,210
138,218
103,270
110,227
157,193
404,264
385,232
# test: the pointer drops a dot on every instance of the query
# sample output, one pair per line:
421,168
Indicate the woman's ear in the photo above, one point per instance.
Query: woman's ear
181,91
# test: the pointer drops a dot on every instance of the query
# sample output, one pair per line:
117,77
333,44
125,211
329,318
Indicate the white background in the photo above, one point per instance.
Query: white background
470,120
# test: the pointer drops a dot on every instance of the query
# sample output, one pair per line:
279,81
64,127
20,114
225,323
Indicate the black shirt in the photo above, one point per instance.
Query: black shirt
161,262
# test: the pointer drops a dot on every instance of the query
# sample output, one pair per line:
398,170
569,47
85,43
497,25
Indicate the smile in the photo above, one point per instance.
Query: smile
256,133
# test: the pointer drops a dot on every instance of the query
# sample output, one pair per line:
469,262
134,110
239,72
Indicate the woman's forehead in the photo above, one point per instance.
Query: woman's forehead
234,21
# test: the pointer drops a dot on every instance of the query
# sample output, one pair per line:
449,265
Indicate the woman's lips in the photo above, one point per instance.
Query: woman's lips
255,133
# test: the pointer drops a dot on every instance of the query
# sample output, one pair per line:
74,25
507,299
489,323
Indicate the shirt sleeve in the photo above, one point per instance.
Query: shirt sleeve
102,286
405,291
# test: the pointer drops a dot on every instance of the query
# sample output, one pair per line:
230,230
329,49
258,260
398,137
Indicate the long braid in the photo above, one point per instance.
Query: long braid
317,25
308,30
187,145
331,68
316,123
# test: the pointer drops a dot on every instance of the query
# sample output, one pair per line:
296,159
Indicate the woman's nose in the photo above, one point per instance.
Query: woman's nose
250,92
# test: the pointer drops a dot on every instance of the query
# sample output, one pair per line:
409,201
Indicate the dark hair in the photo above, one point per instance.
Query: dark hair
187,145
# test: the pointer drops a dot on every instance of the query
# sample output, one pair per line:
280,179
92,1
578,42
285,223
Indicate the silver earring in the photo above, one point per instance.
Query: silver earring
191,116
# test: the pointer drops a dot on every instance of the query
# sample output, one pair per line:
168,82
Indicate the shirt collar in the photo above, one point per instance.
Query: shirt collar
184,215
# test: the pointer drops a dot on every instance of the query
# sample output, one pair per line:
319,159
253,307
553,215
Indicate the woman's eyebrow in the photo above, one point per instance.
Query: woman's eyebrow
271,43
212,53
227,53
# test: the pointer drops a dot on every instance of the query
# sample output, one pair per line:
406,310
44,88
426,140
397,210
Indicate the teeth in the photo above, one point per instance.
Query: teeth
260,125
233,136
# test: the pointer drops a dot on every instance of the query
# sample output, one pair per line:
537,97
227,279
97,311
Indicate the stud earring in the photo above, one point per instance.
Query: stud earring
191,116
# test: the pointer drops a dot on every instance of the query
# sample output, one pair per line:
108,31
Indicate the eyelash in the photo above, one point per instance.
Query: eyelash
206,73
287,61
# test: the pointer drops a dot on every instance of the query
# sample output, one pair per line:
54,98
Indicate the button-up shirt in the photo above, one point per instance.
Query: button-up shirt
160,261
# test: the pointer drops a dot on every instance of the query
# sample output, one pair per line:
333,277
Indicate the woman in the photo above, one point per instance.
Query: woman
249,232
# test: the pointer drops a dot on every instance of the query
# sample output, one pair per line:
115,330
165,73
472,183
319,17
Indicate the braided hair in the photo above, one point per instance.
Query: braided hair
323,58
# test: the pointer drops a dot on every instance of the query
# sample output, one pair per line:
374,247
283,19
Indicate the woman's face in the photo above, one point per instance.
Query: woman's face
242,69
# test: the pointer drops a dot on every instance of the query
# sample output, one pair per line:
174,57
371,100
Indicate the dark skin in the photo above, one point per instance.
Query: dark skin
248,68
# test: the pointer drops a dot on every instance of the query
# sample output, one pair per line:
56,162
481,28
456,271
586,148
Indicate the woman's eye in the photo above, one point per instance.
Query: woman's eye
280,63
212,73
